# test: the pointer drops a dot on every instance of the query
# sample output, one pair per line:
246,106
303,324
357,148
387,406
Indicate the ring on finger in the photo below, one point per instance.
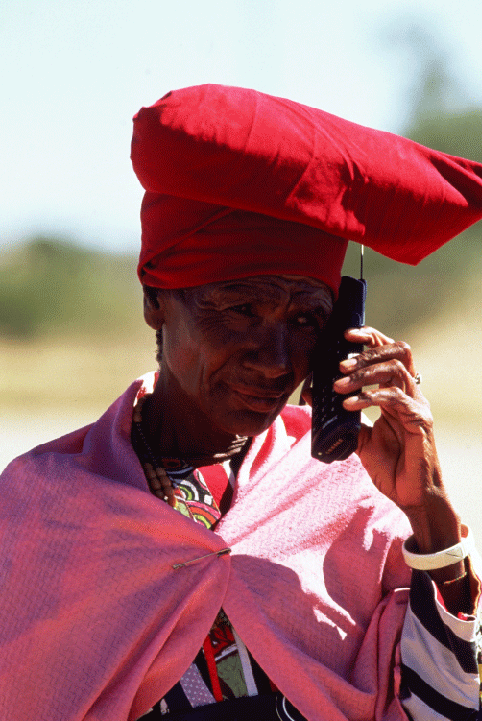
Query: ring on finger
417,378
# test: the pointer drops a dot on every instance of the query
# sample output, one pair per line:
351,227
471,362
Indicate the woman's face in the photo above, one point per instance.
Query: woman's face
236,350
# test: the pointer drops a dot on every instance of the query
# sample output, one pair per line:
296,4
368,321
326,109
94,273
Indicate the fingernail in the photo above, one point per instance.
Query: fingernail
351,400
349,363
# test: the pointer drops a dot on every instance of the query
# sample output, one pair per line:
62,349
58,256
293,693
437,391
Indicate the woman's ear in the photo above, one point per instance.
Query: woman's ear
153,307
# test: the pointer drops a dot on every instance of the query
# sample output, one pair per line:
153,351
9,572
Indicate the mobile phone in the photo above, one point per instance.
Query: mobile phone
334,431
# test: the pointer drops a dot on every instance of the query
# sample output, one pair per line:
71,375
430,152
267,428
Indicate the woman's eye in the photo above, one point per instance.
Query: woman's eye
305,320
245,309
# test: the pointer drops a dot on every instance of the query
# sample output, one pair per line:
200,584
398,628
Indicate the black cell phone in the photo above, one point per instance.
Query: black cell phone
334,431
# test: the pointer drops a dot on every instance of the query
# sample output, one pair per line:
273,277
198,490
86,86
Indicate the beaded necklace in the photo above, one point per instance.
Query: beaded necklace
171,478
163,474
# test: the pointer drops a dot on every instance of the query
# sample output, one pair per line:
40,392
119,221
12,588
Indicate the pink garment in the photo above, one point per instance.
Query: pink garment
96,624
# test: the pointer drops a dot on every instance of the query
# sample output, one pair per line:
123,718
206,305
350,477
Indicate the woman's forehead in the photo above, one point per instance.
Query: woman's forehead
262,281
268,286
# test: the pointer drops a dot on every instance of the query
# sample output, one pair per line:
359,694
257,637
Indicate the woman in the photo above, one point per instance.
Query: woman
185,554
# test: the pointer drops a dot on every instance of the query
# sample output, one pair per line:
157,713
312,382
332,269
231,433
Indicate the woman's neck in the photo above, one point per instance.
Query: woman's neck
176,432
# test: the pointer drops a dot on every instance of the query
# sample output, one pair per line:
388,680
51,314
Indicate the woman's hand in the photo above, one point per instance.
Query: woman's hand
399,451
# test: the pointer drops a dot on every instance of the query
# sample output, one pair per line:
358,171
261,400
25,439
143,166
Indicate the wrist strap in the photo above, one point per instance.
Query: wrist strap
430,561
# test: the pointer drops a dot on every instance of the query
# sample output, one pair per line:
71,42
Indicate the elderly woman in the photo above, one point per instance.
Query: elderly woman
185,554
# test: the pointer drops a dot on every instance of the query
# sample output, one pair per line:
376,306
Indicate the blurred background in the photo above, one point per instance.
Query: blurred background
74,72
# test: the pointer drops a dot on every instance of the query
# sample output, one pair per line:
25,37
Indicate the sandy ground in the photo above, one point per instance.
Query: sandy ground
48,390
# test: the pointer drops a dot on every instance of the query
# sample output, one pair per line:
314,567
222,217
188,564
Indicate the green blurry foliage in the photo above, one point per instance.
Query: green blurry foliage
51,287
439,123
442,117
457,133
402,297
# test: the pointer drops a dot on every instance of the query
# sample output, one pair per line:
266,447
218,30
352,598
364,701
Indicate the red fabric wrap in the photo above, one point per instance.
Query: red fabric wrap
205,153
202,243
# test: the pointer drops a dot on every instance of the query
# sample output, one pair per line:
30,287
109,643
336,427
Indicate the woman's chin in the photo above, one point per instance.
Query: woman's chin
250,423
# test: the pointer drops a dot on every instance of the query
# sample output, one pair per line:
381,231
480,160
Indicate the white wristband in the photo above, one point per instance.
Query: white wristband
430,561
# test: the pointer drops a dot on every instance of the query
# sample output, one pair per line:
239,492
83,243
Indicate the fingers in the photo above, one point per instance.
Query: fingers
413,414
368,336
389,373
380,349
385,363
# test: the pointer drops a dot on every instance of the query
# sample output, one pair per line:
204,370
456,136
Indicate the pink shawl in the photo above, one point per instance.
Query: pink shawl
96,624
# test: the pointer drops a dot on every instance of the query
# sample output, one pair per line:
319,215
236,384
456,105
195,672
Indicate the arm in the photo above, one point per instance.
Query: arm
400,456
439,657
399,453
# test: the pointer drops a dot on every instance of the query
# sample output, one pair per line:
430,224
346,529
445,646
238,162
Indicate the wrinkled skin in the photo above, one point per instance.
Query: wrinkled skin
233,352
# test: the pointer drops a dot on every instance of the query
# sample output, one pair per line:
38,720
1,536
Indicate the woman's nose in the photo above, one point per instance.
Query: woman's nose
269,351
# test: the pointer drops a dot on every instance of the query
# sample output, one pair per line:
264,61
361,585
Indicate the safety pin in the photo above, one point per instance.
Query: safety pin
223,552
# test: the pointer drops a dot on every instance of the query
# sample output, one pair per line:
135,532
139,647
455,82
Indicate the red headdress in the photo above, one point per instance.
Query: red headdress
239,183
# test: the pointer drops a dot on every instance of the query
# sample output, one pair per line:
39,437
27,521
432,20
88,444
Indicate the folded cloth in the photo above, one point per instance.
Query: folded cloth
242,183
99,619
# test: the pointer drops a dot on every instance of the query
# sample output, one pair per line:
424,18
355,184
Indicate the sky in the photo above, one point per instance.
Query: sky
74,73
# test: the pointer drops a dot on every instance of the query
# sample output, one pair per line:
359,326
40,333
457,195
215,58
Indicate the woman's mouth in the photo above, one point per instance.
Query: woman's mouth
258,400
